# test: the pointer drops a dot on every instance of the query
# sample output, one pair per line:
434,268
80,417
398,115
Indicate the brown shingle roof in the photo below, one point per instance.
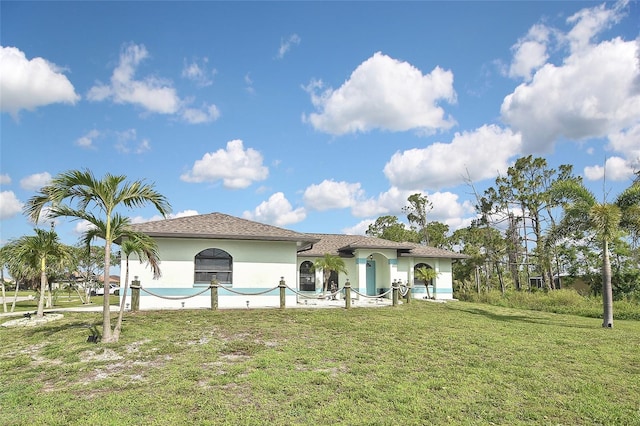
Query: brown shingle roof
344,244
220,226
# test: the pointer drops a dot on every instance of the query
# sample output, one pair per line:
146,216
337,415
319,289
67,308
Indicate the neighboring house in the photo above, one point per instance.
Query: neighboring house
251,257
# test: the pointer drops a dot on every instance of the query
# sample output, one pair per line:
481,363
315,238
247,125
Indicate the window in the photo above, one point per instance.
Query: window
213,263
307,276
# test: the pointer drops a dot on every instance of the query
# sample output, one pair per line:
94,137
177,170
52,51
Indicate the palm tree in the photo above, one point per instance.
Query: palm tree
329,263
605,221
105,195
146,249
39,252
426,274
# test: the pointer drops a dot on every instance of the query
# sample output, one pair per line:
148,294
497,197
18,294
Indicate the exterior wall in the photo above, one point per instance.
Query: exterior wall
443,284
257,266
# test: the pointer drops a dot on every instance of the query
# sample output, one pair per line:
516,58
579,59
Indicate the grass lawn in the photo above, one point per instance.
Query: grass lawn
418,364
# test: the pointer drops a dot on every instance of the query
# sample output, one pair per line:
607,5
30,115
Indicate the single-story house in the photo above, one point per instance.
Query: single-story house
248,258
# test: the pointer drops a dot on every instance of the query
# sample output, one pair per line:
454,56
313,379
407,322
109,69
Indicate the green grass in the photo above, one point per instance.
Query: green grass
417,364
557,301
61,301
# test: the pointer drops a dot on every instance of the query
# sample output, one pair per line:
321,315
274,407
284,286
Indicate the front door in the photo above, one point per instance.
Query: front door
371,277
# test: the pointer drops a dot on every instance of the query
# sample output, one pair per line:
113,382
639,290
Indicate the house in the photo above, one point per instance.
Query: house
248,257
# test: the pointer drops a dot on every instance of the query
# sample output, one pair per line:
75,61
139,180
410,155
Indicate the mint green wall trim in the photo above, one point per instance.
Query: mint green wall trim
361,260
442,290
173,291
393,261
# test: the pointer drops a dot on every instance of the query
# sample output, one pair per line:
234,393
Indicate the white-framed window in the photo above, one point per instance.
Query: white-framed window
213,263
307,276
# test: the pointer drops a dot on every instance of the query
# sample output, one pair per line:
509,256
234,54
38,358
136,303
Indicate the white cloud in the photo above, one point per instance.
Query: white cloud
198,73
127,142
86,141
5,179
35,181
286,44
530,52
591,94
277,210
82,227
235,166
29,84
153,94
330,194
627,142
9,205
384,93
359,228
591,21
616,169
388,202
184,213
207,114
477,155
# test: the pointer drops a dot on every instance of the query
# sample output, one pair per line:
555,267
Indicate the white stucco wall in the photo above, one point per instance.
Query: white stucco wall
257,265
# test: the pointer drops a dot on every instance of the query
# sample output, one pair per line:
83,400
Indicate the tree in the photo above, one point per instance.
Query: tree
388,228
146,249
419,206
105,195
606,222
329,263
40,252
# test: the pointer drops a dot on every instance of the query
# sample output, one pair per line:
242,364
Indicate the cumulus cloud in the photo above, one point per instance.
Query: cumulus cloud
592,93
35,181
530,52
277,210
184,213
383,93
480,154
198,73
10,205
359,228
627,142
235,166
82,227
153,94
86,141
388,202
5,179
286,44
330,194
29,84
615,169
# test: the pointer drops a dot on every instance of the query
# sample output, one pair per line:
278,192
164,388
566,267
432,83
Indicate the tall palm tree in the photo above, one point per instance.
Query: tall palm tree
104,195
605,221
39,252
329,263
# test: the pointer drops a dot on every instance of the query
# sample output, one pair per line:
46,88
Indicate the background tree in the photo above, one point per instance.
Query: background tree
329,263
39,251
104,195
606,222
417,210
389,228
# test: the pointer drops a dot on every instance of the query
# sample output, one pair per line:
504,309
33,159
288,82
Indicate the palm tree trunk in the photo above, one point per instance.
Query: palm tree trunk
607,292
43,288
4,295
116,331
15,296
106,313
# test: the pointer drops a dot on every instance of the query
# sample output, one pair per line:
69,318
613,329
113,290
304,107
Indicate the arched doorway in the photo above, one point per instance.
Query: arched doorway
417,281
307,276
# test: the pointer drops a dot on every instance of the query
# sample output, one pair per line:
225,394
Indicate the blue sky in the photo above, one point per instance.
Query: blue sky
313,116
